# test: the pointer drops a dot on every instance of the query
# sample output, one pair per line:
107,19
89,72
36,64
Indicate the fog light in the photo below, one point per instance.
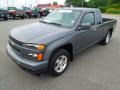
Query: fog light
32,54
39,57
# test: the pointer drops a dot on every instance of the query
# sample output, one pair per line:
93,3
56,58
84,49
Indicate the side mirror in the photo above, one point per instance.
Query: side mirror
85,26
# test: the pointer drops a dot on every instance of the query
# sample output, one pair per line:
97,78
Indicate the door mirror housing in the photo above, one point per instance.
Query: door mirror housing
85,26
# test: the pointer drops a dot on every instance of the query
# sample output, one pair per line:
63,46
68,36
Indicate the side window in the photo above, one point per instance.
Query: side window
88,19
98,17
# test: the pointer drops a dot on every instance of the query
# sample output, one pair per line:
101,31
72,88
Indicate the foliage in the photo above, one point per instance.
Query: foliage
103,9
106,6
113,10
55,3
113,1
97,3
76,3
114,6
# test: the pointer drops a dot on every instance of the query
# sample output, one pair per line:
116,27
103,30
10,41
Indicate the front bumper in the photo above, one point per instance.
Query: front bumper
33,66
3,16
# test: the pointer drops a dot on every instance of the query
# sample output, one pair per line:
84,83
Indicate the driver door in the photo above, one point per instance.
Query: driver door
87,37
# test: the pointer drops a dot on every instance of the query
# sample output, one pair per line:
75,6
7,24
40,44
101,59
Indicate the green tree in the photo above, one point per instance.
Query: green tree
97,3
114,1
55,3
76,3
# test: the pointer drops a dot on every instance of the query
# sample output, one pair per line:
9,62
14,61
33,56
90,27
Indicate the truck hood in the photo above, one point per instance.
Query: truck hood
38,33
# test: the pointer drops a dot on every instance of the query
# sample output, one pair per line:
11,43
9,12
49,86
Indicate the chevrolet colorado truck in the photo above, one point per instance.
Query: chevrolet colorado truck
34,12
50,44
15,12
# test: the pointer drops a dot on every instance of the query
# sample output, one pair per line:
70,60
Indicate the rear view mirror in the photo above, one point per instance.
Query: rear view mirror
84,26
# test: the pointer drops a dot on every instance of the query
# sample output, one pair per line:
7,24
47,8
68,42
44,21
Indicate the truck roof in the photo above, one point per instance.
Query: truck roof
82,9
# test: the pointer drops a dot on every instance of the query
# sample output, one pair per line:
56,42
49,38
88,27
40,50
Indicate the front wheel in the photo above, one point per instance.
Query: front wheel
59,62
107,38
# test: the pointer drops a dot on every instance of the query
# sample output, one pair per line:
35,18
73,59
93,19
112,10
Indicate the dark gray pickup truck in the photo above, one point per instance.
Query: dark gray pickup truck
50,44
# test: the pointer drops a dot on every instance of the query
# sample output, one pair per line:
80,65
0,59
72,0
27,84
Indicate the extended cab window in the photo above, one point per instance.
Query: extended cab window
88,19
98,17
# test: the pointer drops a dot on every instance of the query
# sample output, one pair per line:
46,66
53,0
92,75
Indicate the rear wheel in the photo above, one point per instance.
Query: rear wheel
59,62
107,38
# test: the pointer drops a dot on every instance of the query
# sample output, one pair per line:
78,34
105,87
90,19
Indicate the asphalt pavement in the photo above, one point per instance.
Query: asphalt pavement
97,68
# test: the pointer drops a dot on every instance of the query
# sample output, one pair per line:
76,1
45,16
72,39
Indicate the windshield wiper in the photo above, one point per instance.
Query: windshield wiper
58,24
53,23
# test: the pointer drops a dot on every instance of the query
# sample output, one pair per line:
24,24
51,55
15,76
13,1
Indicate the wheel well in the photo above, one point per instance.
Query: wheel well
111,31
67,47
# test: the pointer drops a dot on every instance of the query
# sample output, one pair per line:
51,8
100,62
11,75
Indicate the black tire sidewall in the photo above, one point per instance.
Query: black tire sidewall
106,38
5,18
103,42
53,61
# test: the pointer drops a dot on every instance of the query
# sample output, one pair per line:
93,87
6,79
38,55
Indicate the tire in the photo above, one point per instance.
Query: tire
22,17
107,38
59,62
35,16
5,18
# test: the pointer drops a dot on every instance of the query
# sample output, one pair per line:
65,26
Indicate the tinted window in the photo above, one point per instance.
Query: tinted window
89,19
98,17
12,8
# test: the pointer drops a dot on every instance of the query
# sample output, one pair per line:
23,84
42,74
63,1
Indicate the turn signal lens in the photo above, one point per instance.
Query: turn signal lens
41,47
39,57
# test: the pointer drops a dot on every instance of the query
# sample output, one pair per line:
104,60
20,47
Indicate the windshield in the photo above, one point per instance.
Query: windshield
12,8
26,8
66,18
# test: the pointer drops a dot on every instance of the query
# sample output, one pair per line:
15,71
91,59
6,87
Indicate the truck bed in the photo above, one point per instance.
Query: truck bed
109,23
107,19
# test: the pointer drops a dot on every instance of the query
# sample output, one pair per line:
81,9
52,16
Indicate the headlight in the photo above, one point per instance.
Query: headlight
38,56
35,46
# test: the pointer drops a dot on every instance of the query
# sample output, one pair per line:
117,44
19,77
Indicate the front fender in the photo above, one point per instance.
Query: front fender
57,44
